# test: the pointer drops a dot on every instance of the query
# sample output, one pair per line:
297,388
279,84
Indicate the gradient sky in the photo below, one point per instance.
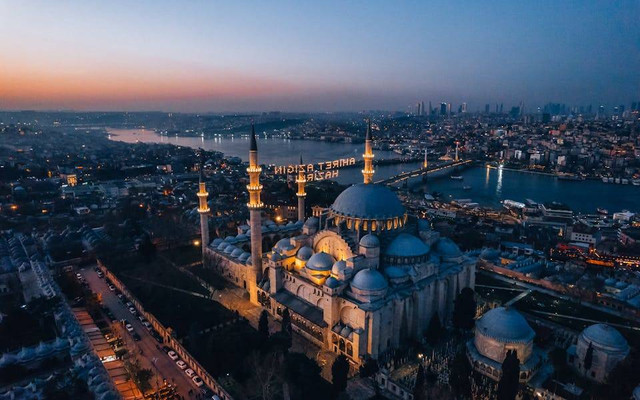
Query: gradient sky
200,56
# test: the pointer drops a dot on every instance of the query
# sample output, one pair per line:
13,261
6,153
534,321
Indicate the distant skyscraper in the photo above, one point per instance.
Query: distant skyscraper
443,108
497,108
486,108
422,112
463,108
430,109
501,107
449,109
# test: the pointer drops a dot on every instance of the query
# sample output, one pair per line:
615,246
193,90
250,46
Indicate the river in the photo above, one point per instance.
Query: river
488,186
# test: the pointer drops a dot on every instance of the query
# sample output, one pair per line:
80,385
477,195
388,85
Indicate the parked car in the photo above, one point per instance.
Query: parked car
196,379
173,355
129,327
136,337
112,288
190,373
181,364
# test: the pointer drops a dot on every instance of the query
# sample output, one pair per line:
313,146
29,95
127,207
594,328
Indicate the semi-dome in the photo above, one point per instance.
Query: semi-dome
369,241
406,245
606,337
304,253
369,202
311,221
447,248
505,325
395,272
369,280
320,262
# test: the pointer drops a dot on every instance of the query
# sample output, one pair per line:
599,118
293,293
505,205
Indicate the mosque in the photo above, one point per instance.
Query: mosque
359,277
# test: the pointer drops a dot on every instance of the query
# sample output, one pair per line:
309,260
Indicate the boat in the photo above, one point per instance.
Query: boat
602,211
569,177
605,179
457,177
466,187
617,180
635,182
624,181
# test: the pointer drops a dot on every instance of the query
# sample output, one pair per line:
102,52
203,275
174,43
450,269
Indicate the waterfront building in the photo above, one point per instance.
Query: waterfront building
359,277
498,331
607,347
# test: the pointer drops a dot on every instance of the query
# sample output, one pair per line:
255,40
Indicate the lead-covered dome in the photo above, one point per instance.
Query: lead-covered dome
369,280
505,325
406,245
606,337
368,202
447,248
305,253
369,241
320,262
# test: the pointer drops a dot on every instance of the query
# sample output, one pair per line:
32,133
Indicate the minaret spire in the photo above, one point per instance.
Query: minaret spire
368,171
301,181
203,206
255,207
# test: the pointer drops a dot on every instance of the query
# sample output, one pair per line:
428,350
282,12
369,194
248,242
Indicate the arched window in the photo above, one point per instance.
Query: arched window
349,350
341,344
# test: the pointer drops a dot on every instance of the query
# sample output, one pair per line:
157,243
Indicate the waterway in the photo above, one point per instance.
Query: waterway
488,186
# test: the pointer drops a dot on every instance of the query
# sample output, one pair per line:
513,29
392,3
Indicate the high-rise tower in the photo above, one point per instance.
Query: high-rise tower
255,208
368,171
203,208
301,180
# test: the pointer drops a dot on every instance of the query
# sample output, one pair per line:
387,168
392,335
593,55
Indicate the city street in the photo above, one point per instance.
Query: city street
151,357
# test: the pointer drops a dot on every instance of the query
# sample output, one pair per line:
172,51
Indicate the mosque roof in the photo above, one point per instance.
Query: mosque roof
406,245
369,279
368,201
506,325
603,335
447,248
338,267
320,262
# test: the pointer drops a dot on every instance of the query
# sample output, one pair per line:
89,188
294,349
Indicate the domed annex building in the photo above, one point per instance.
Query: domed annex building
498,331
608,348
361,276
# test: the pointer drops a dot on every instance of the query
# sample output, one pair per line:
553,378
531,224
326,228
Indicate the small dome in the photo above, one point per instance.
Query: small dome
230,249
26,354
505,325
406,245
241,237
284,245
369,280
230,239
311,222
605,336
332,282
222,246
237,252
338,267
216,242
369,241
320,262
304,253
368,201
447,248
244,256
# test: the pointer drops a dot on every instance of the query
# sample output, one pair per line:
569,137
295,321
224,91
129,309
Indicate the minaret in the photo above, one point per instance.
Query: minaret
424,163
255,207
301,181
457,143
368,171
203,208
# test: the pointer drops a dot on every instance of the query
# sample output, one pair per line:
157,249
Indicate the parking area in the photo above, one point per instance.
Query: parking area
140,339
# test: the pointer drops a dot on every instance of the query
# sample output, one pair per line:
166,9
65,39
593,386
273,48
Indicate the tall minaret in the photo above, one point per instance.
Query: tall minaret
368,171
424,163
203,208
255,207
457,143
301,181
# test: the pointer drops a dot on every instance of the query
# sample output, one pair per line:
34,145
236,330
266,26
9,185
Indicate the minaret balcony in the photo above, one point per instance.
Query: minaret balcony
255,206
254,170
254,188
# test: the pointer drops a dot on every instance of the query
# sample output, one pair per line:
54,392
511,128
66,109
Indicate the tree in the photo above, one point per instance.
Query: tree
588,358
263,327
460,375
339,374
510,379
464,310
265,373
286,321
418,388
302,378
369,368
434,331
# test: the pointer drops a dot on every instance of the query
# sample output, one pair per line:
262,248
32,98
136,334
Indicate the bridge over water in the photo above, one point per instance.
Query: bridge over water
438,168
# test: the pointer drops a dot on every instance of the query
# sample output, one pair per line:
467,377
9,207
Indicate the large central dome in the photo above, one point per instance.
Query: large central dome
368,202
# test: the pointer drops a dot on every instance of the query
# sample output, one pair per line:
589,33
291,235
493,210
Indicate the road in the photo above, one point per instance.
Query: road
152,357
